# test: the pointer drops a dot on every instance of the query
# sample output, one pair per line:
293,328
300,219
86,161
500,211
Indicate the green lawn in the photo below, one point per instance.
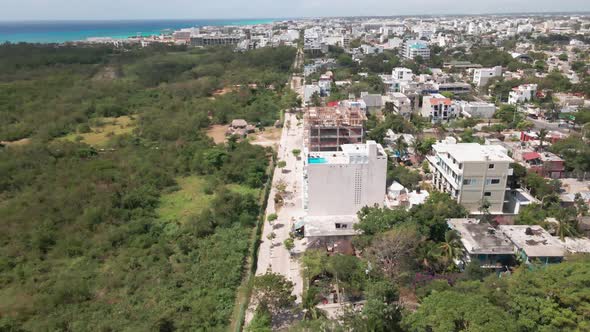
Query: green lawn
190,199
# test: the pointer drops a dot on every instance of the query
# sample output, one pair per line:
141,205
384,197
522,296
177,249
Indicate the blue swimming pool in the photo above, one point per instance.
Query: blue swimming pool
317,160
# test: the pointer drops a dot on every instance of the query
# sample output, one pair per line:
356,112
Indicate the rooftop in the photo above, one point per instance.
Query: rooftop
533,240
481,238
350,154
326,225
473,152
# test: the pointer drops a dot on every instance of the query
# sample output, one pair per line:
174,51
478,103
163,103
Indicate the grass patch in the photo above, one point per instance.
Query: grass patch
176,207
100,135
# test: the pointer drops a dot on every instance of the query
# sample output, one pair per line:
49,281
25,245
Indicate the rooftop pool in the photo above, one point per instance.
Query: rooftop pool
317,160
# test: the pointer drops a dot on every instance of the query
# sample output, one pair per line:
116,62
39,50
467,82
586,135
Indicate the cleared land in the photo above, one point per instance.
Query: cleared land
99,135
217,133
190,199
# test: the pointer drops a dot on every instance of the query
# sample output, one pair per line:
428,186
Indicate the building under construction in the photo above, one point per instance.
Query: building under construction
326,128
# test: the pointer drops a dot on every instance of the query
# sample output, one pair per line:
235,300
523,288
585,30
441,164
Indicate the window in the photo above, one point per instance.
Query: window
490,166
468,182
492,181
487,194
341,226
460,165
338,226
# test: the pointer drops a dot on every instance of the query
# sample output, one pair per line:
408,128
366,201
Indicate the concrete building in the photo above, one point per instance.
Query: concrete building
399,103
477,110
522,94
413,48
471,173
483,75
327,128
533,243
438,108
214,40
483,243
341,183
402,74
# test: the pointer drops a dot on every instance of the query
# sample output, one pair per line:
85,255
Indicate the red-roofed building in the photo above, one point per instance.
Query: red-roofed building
545,164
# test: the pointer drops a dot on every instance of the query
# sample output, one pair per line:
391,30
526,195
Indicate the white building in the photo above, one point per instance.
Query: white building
522,94
477,110
413,48
438,108
402,74
471,173
483,75
340,183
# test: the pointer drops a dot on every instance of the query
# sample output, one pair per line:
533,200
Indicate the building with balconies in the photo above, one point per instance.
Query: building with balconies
473,174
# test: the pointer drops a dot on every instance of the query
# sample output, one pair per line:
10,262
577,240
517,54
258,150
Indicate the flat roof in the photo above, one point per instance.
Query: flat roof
326,225
481,238
473,152
534,240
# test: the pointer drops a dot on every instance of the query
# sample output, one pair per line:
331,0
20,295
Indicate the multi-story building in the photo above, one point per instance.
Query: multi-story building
413,48
402,74
341,183
438,108
471,173
327,128
215,40
482,76
522,94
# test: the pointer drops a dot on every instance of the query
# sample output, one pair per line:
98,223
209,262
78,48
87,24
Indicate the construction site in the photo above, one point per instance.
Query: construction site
326,128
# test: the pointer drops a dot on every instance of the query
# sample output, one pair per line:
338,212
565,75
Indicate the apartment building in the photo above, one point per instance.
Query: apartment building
402,74
482,76
522,94
413,48
438,108
327,128
471,173
341,183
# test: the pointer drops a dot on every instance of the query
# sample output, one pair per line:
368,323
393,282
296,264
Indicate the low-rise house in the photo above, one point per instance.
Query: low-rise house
373,102
532,244
239,127
399,103
546,164
483,243
522,94
477,110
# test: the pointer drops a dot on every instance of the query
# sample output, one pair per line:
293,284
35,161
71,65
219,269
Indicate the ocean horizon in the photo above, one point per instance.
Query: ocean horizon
66,31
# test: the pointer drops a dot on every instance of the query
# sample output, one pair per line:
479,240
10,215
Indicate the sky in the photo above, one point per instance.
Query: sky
211,9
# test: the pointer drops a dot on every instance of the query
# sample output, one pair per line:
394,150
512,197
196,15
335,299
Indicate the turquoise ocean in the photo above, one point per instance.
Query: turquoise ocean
63,31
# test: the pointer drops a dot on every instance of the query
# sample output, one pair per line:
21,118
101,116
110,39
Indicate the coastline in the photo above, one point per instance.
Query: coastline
72,31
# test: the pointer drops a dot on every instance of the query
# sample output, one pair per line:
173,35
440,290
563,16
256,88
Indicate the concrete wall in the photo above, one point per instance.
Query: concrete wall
343,189
471,195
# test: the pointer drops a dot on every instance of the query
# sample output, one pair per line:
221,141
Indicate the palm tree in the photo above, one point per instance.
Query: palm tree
451,248
428,255
567,224
309,304
416,144
401,146
542,135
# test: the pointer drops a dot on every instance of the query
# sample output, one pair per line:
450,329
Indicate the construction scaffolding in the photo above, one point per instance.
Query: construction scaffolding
326,128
